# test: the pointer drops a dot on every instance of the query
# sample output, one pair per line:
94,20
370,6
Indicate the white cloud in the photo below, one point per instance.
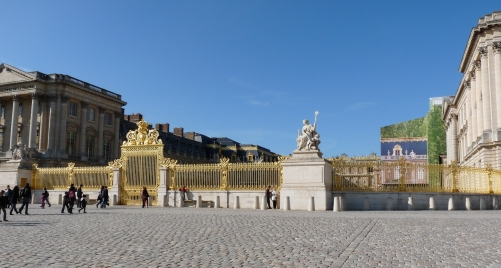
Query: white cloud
258,103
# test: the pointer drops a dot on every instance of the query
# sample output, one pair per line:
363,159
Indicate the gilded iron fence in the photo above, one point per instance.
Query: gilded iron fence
405,176
226,176
60,178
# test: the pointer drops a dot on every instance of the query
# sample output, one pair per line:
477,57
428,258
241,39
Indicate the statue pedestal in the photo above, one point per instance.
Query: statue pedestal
306,174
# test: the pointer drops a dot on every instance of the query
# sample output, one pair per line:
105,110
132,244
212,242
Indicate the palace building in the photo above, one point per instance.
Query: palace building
473,116
53,119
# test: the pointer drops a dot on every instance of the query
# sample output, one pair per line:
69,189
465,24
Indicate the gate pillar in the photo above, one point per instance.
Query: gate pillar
115,188
163,198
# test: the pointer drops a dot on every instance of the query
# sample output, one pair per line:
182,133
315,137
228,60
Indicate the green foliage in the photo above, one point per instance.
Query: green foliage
408,129
435,131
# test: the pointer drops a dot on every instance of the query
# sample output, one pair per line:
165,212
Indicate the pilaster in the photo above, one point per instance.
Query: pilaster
14,122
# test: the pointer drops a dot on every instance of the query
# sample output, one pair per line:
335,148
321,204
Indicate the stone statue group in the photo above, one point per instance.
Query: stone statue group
308,139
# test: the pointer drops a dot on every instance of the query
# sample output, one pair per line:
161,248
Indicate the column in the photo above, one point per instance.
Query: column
478,90
472,125
62,123
454,130
469,108
42,136
13,122
486,95
100,135
32,143
83,127
52,122
116,141
496,46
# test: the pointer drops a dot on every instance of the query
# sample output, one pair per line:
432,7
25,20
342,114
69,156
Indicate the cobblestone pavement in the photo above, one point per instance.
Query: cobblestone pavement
189,237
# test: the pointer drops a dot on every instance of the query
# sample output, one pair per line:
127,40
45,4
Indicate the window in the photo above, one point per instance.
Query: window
107,149
107,119
73,109
91,114
71,142
20,110
89,146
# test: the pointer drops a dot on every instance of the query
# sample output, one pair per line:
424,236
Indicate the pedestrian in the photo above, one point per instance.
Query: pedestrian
274,198
3,204
100,197
25,195
79,195
145,197
46,193
83,203
42,199
66,203
14,198
72,195
105,197
267,195
7,194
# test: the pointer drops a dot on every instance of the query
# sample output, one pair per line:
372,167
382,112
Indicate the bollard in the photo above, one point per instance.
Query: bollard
410,203
263,204
451,203
389,204
287,205
114,201
495,203
256,202
468,204
236,204
33,199
60,199
336,204
311,204
199,201
367,206
432,203
482,203
341,203
216,203
181,203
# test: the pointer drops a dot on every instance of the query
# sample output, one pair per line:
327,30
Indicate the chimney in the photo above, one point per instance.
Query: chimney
165,127
190,135
178,131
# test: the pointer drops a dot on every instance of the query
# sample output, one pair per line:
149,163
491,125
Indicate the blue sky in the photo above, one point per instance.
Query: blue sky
252,70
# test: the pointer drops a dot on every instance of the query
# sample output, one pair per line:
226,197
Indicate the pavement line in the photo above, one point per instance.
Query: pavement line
341,260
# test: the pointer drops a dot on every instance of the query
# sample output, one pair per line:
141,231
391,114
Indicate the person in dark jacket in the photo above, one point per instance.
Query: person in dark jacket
7,194
14,198
46,194
145,197
79,196
3,204
66,203
72,195
105,197
267,195
83,203
26,197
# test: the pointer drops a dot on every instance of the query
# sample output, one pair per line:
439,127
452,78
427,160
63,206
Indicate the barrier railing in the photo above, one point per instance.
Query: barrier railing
404,176
92,178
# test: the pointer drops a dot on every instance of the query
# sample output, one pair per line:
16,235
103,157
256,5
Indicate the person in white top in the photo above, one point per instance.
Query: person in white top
274,198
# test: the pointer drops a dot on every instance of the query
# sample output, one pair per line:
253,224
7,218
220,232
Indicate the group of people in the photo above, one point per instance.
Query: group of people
271,195
10,197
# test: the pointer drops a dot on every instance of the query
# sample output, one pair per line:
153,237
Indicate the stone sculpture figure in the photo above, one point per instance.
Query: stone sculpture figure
308,139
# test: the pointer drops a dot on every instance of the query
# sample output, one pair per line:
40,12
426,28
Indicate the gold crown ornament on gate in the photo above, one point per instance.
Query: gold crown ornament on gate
142,136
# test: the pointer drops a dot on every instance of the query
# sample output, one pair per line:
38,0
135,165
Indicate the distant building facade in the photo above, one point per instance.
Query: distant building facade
473,116
193,147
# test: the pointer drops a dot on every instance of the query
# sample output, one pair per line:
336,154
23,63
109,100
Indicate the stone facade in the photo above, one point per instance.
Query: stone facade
473,116
55,119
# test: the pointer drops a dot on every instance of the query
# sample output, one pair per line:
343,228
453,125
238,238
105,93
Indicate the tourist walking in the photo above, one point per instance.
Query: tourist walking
42,200
105,197
145,197
100,197
267,195
83,203
14,198
79,195
182,191
7,194
274,198
66,203
25,195
46,194
72,195
3,204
